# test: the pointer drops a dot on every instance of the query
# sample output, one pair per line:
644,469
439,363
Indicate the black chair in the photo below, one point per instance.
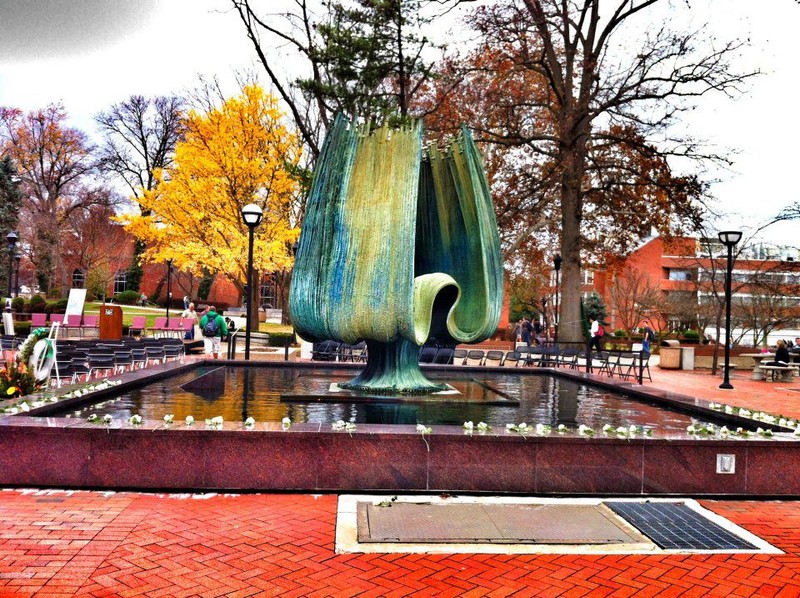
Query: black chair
459,356
511,359
325,351
101,362
493,358
444,356
475,357
427,354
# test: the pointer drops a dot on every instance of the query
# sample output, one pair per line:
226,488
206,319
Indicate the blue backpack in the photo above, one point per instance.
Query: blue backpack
211,327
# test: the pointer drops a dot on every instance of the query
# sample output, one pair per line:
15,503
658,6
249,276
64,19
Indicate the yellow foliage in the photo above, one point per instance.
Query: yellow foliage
236,154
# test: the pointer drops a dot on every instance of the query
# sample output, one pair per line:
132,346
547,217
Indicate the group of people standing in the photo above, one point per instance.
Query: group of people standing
211,323
528,332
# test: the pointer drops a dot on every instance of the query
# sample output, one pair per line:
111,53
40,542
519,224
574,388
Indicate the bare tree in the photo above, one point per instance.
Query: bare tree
590,81
139,136
634,298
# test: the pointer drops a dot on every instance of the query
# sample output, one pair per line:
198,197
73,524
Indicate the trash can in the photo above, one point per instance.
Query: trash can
670,355
687,358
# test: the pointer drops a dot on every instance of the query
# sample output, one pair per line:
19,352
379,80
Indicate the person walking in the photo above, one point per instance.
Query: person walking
527,330
213,326
596,334
190,314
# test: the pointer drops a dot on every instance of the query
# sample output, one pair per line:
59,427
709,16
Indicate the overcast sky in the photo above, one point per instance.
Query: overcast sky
88,54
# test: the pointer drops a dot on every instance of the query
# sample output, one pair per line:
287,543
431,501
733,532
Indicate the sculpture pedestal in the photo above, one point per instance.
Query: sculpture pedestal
392,368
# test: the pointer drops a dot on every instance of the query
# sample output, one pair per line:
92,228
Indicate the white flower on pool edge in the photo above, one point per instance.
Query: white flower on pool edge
135,420
510,426
217,421
542,429
562,428
469,426
745,412
168,418
107,418
422,429
189,420
584,429
483,426
92,418
608,428
24,406
286,422
338,425
633,429
249,422
724,430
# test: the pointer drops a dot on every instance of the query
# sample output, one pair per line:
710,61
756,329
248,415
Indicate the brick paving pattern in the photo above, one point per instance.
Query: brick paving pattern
62,543
58,543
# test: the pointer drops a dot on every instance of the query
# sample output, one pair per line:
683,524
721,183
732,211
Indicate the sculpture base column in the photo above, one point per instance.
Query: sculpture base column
392,368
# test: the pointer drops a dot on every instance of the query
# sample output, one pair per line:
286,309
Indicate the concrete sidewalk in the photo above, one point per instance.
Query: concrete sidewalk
82,543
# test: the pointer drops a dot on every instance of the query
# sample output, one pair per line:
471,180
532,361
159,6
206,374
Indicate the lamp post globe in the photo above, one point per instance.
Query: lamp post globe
729,238
252,215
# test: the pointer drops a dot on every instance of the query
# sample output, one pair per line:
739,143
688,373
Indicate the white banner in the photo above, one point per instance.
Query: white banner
75,302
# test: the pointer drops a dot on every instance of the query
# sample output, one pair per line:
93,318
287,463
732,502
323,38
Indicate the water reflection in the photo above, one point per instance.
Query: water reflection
256,393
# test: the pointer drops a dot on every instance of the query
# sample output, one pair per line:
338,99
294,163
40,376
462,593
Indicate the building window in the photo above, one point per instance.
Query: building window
676,274
78,279
120,281
588,277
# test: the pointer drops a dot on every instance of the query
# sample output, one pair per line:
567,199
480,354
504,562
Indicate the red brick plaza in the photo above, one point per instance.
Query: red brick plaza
65,543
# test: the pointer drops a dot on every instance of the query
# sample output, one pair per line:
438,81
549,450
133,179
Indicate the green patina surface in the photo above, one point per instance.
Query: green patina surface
398,245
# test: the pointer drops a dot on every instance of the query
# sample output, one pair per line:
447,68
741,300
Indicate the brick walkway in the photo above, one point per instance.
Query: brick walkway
59,543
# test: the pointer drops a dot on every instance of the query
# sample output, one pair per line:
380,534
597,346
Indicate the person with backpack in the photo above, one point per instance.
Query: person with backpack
213,327
596,334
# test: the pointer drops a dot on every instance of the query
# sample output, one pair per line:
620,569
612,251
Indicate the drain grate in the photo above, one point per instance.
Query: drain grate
676,526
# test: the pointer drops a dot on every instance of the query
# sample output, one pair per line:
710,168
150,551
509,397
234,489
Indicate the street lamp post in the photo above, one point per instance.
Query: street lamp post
729,238
169,285
251,214
556,319
12,242
17,260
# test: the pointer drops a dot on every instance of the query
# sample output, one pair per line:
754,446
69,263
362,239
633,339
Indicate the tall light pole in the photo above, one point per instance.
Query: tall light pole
251,214
12,239
169,285
556,319
17,260
729,238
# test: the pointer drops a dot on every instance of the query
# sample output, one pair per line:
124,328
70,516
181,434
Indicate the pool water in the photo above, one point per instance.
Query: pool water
256,392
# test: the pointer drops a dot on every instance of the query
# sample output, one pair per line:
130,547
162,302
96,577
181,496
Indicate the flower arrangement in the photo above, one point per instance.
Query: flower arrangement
16,379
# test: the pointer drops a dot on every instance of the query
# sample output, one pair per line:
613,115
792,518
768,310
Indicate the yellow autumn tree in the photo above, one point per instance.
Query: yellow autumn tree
236,154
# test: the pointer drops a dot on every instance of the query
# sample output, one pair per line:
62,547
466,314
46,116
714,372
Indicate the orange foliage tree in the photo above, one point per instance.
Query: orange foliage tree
232,155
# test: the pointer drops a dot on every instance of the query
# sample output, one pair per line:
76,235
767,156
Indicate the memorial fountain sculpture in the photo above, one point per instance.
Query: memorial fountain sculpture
399,244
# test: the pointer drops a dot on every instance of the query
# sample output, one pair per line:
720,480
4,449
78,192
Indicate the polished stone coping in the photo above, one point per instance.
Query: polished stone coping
64,452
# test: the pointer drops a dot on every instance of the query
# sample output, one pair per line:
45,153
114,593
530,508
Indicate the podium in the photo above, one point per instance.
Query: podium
110,323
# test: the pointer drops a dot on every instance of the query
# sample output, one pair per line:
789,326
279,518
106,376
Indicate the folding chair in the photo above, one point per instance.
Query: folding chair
38,320
474,357
511,359
91,322
459,356
159,326
73,322
138,325
493,358
444,356
427,354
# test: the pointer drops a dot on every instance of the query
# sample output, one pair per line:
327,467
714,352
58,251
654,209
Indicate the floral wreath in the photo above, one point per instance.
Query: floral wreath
26,348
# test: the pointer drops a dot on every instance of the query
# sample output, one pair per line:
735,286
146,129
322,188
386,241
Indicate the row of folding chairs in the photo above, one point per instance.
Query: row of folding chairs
620,364
82,361
341,352
175,327
71,323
